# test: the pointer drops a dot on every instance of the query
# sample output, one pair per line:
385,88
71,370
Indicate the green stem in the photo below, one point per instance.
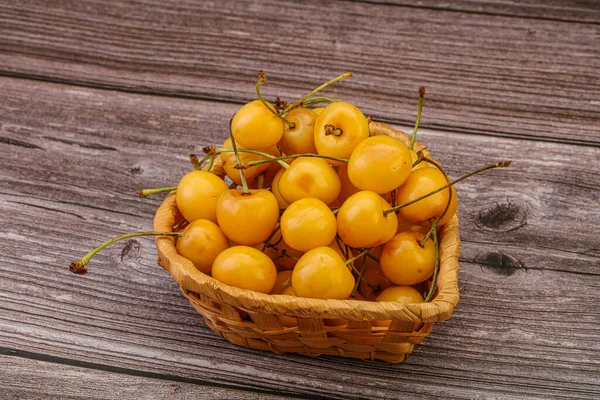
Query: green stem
78,267
360,276
501,164
421,98
211,162
239,162
260,181
196,163
362,253
262,79
268,241
258,162
323,86
318,100
260,153
436,266
146,192
433,226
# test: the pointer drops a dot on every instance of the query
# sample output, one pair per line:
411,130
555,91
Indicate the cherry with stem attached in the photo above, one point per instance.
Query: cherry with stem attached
262,79
501,164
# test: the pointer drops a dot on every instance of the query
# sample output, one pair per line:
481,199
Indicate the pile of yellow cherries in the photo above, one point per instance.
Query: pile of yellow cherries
313,205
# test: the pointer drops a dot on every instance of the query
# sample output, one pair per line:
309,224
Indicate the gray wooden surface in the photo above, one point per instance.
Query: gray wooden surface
100,99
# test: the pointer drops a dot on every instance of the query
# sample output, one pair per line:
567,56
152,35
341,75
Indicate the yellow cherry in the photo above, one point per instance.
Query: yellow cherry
419,183
197,195
275,190
245,268
405,262
309,177
339,129
380,164
202,241
347,187
229,162
361,222
308,223
401,294
299,139
255,127
283,281
247,219
321,274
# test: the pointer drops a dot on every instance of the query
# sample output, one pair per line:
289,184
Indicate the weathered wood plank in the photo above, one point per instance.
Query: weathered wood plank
22,378
556,10
67,181
485,74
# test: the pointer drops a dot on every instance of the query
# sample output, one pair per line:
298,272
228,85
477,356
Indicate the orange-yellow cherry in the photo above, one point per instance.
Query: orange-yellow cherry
197,195
308,223
380,164
401,294
256,127
300,139
419,183
283,281
245,268
309,177
339,129
361,222
321,274
247,219
202,241
403,260
347,188
275,190
374,276
230,162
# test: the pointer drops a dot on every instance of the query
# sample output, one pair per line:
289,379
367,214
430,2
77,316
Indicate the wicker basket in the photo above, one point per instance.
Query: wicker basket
345,328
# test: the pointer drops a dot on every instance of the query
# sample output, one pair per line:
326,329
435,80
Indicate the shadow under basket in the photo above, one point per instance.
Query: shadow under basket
384,332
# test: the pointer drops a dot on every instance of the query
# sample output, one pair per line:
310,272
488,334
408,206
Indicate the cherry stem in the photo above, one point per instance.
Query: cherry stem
260,153
196,163
260,181
358,273
262,79
146,192
78,267
436,267
501,164
360,276
258,162
211,162
323,86
239,162
332,130
434,225
372,257
362,253
421,98
271,236
318,100
285,254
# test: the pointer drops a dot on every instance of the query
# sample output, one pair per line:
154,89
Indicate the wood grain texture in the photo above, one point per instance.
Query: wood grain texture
529,279
587,11
485,74
49,380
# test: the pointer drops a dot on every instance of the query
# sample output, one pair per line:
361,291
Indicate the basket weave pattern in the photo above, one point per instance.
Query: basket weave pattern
385,332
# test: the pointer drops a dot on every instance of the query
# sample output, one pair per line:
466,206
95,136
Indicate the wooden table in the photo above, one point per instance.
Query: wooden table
99,99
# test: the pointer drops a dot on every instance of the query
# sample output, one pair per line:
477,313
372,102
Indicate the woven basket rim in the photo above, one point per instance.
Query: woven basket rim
191,279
